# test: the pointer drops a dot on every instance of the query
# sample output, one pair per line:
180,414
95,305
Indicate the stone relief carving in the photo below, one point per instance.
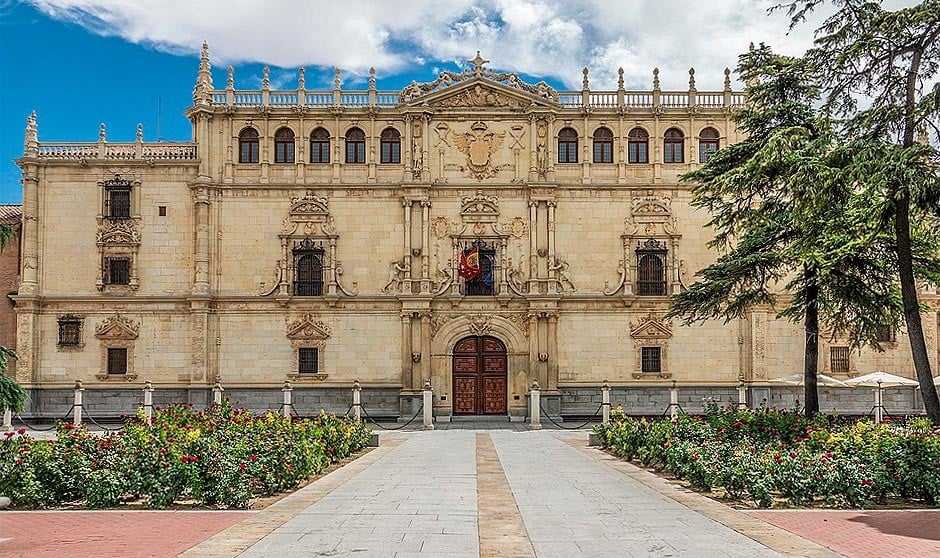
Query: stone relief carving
118,232
541,150
479,144
517,227
480,325
479,96
650,326
117,327
440,226
652,204
396,273
560,267
446,79
479,208
307,327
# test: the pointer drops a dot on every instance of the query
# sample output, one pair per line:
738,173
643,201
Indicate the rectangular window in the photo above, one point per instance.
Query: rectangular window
886,335
603,152
705,151
839,360
355,152
320,152
567,152
639,153
70,332
484,283
117,360
119,204
284,152
117,271
651,360
391,152
248,151
307,357
673,153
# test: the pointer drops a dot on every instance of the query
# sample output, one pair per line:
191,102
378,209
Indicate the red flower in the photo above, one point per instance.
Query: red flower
19,461
8,434
777,458
21,431
242,466
897,477
793,455
253,457
867,482
68,426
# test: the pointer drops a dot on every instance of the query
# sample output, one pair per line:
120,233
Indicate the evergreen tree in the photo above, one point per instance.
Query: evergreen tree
788,228
889,60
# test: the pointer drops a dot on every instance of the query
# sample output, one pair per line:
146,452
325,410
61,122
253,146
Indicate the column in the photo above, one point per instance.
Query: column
552,352
425,242
406,204
533,243
425,368
533,347
533,146
201,260
406,362
425,148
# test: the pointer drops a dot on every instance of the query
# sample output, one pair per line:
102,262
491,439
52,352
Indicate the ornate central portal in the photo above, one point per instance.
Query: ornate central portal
479,376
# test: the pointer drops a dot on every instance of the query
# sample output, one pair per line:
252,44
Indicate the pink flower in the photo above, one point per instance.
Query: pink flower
21,431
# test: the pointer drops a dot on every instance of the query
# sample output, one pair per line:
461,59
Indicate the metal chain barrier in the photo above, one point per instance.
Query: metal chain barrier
373,421
101,426
37,429
582,425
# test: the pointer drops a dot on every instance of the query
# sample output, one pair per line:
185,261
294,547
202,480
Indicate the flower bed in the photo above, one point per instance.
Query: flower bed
765,456
221,457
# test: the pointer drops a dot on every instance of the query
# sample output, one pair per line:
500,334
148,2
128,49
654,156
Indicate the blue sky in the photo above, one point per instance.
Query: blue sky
79,63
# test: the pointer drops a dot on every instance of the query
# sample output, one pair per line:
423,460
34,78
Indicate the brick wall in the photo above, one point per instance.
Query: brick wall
9,278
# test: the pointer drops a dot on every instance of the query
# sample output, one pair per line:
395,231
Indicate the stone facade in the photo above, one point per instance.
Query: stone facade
316,237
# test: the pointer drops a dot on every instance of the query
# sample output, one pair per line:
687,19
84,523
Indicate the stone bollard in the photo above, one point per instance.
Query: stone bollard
742,395
217,390
8,420
357,401
673,401
428,405
605,403
77,411
288,396
535,418
148,401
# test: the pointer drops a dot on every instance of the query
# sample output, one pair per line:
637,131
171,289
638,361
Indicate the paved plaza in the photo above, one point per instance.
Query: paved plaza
476,492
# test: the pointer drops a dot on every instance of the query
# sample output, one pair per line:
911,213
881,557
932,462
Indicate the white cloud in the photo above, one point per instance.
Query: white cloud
535,37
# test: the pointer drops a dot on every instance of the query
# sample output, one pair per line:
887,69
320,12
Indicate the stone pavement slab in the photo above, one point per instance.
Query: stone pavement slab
864,533
575,506
420,499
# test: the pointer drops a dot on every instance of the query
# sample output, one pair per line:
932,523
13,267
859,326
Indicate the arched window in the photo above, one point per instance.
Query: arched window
673,146
248,146
308,269
320,146
567,146
638,146
391,146
707,144
651,268
603,146
284,146
355,146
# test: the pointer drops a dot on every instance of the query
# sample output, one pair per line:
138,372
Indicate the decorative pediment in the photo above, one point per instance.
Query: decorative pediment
120,232
477,87
651,204
308,215
117,327
307,328
650,327
479,208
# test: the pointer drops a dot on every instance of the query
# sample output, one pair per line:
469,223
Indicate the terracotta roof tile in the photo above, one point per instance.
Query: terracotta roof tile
10,214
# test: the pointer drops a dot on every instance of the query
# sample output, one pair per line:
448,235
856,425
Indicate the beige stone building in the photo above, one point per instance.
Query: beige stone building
324,237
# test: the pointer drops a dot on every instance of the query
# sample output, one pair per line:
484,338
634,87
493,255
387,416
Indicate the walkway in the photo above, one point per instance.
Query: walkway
478,493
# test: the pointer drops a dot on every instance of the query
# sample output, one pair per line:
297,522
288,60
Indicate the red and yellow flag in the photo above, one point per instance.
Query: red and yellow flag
469,265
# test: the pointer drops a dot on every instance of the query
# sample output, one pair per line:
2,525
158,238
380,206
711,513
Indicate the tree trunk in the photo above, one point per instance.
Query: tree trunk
902,230
811,350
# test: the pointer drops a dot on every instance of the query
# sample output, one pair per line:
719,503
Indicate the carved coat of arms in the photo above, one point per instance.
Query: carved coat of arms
479,144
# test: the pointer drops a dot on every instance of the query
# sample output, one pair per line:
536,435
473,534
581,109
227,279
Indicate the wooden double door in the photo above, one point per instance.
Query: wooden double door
479,369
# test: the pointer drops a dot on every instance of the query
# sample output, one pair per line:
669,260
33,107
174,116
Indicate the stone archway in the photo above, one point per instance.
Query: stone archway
480,381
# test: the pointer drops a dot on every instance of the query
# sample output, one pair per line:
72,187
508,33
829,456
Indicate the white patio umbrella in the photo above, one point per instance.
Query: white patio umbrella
821,379
879,381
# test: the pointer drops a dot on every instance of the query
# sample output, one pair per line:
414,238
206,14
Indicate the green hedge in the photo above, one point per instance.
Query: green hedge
220,457
761,455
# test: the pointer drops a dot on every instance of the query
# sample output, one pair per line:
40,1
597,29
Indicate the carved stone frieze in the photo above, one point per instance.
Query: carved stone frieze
652,204
479,96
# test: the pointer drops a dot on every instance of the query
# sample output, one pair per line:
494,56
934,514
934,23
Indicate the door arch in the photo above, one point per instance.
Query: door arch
479,376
